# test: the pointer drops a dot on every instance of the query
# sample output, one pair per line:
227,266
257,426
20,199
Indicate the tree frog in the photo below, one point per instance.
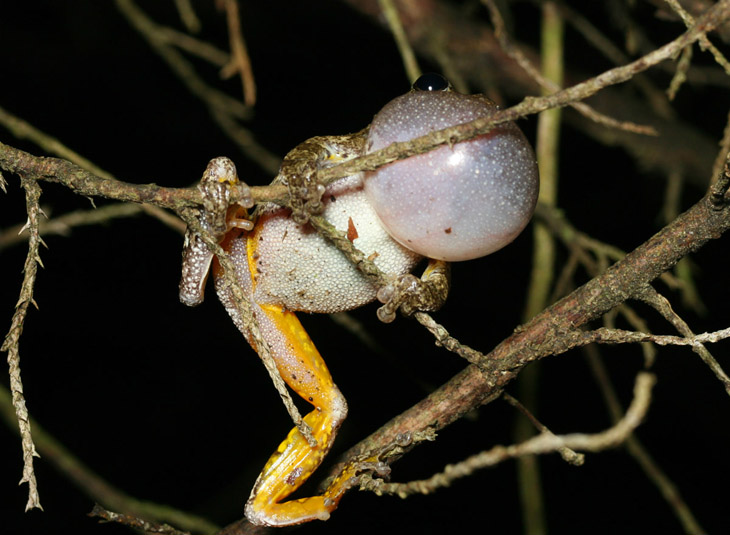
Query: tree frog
454,203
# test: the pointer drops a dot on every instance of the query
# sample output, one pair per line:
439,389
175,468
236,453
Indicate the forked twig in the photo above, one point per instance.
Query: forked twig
538,445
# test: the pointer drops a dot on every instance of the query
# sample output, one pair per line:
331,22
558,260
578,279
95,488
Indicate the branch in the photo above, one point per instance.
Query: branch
133,522
225,110
637,450
530,105
680,145
11,344
549,332
621,336
552,331
84,182
94,486
545,442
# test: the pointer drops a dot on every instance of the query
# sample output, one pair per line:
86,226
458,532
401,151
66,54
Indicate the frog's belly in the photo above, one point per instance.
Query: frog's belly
299,269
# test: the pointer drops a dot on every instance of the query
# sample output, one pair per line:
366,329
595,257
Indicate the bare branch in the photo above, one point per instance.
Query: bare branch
661,304
705,43
620,336
553,331
410,63
134,522
539,445
240,60
718,190
11,344
550,85
638,451
225,110
568,455
96,487
531,105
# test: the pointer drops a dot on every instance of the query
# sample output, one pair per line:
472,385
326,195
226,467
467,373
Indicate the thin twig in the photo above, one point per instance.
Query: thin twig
636,449
22,129
95,487
680,75
229,282
195,46
543,257
539,445
445,340
551,85
705,43
62,225
240,61
225,110
722,155
413,71
620,336
568,455
661,304
718,189
188,16
11,344
134,522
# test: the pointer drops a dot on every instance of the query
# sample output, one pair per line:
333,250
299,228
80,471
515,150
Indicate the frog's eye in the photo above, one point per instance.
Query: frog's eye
459,201
431,82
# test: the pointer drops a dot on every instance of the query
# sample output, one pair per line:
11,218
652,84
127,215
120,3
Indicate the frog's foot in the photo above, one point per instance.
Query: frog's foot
374,464
302,368
411,294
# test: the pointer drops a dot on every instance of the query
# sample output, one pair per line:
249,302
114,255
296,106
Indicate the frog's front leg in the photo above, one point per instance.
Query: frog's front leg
411,294
299,167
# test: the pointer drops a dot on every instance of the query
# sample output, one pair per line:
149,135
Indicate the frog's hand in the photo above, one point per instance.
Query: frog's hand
303,369
410,294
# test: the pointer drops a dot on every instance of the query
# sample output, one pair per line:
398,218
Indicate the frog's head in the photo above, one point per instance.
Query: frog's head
456,202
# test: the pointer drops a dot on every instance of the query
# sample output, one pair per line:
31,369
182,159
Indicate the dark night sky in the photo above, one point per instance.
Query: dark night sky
171,405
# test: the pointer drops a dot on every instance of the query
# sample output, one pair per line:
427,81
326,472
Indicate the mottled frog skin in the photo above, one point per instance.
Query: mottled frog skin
284,266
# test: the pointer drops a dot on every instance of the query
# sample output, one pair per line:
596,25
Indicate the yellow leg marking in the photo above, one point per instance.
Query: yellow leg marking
302,367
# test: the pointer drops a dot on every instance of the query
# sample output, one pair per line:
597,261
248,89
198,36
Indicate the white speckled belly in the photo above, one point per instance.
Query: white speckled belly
301,270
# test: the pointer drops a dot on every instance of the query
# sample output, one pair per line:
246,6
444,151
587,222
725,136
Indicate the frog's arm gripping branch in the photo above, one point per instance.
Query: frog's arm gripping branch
299,170
411,295
406,292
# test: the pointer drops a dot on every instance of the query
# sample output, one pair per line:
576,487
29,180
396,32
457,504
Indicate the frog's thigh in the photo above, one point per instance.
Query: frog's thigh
303,369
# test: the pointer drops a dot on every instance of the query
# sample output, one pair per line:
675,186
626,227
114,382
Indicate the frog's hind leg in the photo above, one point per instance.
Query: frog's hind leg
303,369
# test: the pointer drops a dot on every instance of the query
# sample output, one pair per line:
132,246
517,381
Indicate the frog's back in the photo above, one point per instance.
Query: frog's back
301,270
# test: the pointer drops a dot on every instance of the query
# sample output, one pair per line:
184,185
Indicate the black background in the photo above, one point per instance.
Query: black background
171,405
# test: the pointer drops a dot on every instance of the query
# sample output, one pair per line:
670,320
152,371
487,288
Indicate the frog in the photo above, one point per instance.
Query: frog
284,266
